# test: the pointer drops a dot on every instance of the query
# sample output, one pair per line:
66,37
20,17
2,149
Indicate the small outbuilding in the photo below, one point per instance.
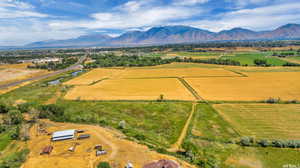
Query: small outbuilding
162,164
84,136
63,135
47,150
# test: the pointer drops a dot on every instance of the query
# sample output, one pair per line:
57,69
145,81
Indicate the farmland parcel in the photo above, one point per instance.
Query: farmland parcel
132,89
256,87
277,121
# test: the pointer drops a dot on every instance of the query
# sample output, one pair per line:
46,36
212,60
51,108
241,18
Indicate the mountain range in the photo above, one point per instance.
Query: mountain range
172,35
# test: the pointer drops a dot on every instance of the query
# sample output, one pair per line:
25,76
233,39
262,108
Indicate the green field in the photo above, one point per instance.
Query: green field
208,124
248,58
210,133
4,140
157,123
198,54
270,121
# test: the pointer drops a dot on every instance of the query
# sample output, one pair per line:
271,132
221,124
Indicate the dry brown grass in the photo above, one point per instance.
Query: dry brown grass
258,86
94,75
132,89
120,151
15,66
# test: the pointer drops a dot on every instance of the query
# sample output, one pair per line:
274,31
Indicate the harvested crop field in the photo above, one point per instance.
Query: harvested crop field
94,76
119,151
256,87
132,89
176,72
272,121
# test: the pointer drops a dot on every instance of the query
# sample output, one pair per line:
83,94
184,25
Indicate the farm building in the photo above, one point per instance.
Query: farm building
63,135
162,164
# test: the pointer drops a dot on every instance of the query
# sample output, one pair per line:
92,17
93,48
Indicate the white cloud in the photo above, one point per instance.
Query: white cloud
24,32
189,2
262,18
126,17
131,6
17,9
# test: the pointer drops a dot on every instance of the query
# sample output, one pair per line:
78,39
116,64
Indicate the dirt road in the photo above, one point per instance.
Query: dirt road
175,147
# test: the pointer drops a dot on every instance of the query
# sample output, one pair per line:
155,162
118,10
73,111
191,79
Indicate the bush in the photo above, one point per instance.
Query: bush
122,124
263,143
260,62
51,111
24,108
103,165
246,141
3,108
15,133
140,137
273,100
14,117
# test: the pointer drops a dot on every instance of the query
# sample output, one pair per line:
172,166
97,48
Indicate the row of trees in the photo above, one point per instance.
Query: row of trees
111,60
287,54
250,141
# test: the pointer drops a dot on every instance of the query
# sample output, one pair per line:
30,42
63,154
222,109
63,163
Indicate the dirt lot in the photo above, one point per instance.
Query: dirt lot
14,72
258,86
11,75
120,151
132,89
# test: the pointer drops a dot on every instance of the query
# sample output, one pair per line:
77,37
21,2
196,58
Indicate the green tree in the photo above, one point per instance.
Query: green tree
14,117
103,165
3,108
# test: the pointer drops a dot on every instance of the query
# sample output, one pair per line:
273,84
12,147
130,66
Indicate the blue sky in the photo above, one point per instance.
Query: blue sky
26,21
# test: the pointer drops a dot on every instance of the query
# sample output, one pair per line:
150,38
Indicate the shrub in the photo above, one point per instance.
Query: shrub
3,108
246,141
51,111
14,117
24,108
103,165
273,100
122,124
140,137
263,143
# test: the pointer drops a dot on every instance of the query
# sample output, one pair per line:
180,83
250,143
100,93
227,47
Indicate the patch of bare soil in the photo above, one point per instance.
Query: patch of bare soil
119,150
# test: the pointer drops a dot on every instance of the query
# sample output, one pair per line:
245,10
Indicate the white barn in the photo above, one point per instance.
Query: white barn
63,135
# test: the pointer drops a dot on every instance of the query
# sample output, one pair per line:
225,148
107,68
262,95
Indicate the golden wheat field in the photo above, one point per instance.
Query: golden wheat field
274,121
132,89
94,75
175,72
258,86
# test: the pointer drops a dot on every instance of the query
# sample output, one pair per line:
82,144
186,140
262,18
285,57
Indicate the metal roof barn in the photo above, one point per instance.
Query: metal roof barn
63,135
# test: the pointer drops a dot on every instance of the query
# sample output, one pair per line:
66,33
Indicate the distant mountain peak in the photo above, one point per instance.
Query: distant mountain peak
174,34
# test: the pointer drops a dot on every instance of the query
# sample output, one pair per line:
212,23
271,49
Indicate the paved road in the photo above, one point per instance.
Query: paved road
73,67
